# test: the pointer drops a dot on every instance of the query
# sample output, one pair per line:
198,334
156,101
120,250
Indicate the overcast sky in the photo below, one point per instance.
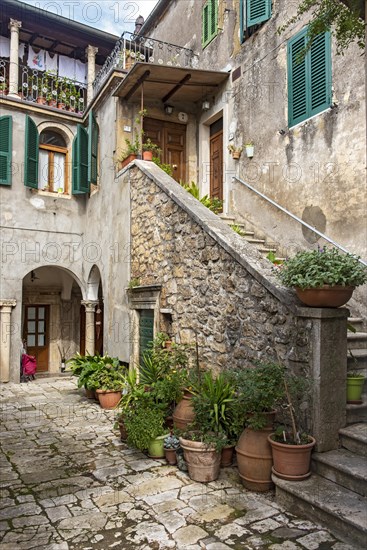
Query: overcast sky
113,16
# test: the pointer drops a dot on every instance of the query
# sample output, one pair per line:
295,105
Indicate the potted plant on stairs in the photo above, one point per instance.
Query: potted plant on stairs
355,383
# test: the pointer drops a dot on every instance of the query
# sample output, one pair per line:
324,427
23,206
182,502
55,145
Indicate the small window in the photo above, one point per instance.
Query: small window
309,77
209,21
52,164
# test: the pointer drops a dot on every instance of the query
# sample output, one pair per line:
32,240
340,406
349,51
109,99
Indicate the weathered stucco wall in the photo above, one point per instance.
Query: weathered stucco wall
315,169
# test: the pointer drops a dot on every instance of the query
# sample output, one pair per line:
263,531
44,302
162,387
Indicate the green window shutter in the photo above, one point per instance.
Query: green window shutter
210,21
242,19
213,18
205,19
309,78
146,332
93,136
31,154
320,69
6,125
80,162
258,11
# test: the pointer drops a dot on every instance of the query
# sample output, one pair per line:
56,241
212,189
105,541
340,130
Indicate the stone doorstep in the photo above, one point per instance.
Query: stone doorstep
357,340
321,500
342,467
354,437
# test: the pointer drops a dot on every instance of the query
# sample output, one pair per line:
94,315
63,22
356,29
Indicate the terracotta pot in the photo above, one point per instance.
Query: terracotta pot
61,106
52,102
125,162
355,389
184,414
254,457
147,155
236,155
203,461
291,462
227,456
41,100
123,431
170,455
108,399
325,296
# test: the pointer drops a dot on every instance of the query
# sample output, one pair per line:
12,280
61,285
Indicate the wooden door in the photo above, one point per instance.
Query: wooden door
171,139
216,165
36,334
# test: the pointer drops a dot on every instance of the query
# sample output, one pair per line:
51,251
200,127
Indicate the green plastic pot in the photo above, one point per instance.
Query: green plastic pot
354,389
156,447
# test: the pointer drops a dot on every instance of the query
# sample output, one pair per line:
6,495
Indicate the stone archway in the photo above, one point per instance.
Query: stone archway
51,316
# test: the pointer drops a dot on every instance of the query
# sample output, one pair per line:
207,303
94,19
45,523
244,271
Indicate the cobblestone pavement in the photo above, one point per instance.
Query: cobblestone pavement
68,483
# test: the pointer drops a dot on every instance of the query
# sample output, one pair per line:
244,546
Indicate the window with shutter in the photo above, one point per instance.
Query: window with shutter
80,162
93,137
309,77
209,21
6,125
31,154
252,13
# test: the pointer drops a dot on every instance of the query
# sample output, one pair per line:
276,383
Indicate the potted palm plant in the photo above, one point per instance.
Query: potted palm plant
324,277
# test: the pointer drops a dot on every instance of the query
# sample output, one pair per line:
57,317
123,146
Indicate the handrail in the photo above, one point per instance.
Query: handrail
305,224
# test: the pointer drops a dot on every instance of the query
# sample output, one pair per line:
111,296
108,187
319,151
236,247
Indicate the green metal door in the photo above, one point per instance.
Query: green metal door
146,331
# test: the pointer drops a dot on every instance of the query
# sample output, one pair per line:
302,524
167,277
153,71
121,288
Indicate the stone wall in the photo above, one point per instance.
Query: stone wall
217,286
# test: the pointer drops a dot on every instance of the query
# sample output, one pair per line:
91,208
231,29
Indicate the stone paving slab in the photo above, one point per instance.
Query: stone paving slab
68,483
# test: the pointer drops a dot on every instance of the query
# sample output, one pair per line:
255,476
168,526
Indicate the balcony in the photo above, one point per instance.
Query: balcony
131,49
45,88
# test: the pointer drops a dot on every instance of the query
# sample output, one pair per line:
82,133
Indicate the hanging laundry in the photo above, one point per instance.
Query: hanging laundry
80,72
66,67
4,46
36,60
21,50
51,63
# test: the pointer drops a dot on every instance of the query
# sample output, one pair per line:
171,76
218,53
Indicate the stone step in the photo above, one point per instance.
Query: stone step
255,241
357,359
342,467
265,250
357,323
358,340
321,500
357,413
354,437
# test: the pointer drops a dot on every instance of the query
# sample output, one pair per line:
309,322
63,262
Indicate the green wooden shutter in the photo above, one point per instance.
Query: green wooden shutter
31,154
6,125
213,17
320,68
80,162
257,11
93,136
298,86
205,21
146,332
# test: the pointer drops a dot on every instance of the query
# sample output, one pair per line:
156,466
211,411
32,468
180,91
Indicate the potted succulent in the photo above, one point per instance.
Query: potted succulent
291,447
235,151
259,388
324,277
171,445
355,383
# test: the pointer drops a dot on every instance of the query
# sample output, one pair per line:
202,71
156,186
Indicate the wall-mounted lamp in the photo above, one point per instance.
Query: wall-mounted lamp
33,276
281,132
168,109
205,105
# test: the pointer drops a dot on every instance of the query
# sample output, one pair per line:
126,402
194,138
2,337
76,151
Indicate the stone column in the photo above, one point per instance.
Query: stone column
91,53
5,338
90,307
14,27
328,363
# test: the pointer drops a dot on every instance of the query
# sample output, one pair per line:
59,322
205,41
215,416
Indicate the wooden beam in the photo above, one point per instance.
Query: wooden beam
140,80
176,88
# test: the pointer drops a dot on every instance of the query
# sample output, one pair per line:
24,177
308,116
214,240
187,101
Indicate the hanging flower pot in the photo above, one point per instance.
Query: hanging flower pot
249,150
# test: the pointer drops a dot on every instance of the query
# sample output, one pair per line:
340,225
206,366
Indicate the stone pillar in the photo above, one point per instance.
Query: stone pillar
5,338
328,363
91,53
90,307
14,27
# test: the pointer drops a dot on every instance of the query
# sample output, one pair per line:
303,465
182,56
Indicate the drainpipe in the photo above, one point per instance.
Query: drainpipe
91,52
6,332
14,27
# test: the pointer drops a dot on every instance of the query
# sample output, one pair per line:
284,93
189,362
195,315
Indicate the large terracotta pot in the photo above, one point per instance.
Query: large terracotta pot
325,296
291,462
184,413
108,399
203,461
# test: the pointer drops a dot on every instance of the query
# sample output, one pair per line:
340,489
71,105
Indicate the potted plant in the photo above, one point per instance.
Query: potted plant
355,383
130,153
259,388
63,351
84,366
249,146
324,277
291,447
149,148
110,380
171,445
3,88
235,151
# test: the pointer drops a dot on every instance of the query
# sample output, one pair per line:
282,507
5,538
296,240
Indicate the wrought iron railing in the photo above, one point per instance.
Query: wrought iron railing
46,88
131,48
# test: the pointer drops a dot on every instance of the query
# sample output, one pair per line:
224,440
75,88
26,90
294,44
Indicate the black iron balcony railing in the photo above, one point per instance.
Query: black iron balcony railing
45,88
131,48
